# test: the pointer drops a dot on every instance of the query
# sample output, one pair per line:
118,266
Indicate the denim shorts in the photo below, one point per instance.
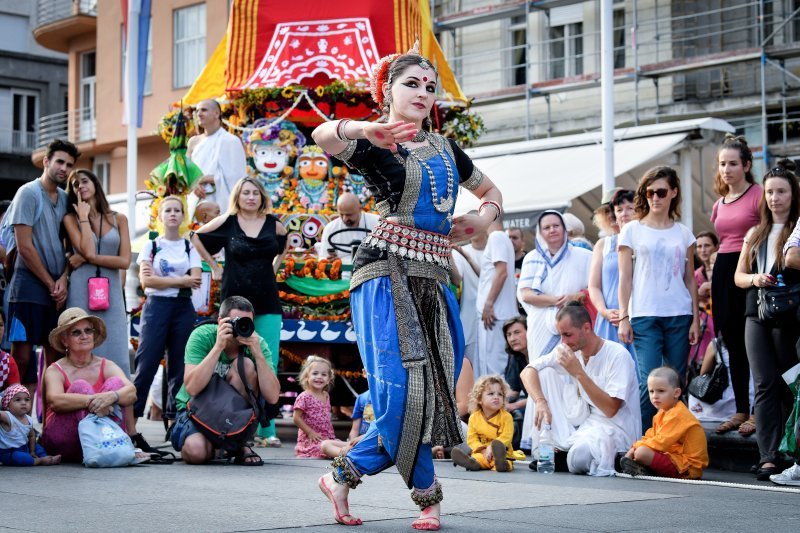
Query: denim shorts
181,429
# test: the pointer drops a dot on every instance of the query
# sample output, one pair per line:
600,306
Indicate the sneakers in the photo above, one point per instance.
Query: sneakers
267,442
499,451
790,476
462,459
631,467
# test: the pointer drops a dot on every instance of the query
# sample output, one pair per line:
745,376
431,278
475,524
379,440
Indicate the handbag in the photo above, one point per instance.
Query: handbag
97,287
225,417
778,303
104,443
709,387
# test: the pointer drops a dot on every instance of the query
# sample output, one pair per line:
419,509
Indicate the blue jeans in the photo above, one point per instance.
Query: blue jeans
659,341
166,323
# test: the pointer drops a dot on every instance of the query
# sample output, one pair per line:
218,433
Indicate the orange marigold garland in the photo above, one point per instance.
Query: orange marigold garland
298,360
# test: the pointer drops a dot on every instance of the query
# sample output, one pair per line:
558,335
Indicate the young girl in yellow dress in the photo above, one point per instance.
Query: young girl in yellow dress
491,428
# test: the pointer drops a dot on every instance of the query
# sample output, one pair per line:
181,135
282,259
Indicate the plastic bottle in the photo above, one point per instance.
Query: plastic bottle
780,282
546,464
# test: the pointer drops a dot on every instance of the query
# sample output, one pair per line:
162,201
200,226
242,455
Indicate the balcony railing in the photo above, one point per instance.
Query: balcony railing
53,10
78,125
18,142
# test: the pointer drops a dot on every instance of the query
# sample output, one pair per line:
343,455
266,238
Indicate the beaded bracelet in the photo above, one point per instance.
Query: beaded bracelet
340,130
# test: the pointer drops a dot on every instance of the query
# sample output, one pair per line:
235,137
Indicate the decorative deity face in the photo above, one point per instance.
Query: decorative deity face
313,166
269,158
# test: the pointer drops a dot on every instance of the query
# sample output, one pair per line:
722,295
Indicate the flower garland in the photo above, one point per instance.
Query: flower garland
309,267
298,360
313,300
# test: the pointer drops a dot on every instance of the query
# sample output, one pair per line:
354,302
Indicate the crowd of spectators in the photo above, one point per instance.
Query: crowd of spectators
660,298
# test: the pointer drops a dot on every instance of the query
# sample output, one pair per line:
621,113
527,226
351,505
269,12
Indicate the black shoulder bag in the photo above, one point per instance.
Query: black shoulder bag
709,387
225,417
776,304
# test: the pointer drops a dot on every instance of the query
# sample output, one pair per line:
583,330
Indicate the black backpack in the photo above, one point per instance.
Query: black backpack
227,419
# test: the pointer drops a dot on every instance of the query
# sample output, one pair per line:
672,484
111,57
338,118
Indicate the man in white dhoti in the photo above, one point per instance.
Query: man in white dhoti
586,389
219,154
496,301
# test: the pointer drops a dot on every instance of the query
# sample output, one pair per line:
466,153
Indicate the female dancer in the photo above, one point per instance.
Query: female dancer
254,241
406,319
770,343
657,292
101,243
733,214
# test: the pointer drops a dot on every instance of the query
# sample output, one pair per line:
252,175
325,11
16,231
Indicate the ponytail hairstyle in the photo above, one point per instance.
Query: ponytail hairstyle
739,143
784,169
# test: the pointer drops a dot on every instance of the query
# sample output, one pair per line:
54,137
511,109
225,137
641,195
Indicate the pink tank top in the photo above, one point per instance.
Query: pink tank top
98,385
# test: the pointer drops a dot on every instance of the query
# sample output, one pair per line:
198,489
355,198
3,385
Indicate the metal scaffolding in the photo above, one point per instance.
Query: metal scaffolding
678,59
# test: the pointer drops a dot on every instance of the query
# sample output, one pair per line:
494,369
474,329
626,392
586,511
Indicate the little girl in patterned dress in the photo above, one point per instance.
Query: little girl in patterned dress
312,412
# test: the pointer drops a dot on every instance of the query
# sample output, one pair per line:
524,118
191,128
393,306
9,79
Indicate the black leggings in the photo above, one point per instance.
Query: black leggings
728,302
771,351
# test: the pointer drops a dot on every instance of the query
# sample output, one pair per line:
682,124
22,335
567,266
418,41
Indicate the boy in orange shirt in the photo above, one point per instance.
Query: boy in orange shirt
676,444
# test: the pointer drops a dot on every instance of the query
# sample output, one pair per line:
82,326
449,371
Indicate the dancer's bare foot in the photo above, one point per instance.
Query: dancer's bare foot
429,519
337,494
47,460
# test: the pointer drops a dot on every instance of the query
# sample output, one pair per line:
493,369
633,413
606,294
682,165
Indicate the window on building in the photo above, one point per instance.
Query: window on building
148,73
86,128
619,38
102,169
25,115
565,41
189,44
566,50
518,50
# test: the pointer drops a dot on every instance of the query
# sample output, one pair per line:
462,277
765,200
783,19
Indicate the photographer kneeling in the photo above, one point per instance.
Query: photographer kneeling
214,349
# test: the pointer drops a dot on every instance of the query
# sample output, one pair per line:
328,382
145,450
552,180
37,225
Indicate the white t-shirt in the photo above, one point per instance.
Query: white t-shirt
469,292
659,263
771,238
498,249
368,221
170,261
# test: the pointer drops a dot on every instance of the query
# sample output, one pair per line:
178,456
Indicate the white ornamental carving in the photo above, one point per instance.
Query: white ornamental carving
342,49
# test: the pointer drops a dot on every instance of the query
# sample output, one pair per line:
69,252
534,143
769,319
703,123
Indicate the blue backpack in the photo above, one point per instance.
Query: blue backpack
104,443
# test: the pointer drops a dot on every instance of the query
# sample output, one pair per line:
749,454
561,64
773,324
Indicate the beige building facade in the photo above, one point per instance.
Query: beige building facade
183,35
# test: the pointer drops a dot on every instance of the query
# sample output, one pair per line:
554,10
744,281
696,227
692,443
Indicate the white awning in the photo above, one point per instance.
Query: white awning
551,173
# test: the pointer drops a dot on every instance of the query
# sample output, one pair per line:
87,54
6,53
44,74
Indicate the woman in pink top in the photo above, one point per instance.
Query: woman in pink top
733,214
81,383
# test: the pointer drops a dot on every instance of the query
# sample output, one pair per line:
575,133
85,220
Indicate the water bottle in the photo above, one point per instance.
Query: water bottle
780,282
546,464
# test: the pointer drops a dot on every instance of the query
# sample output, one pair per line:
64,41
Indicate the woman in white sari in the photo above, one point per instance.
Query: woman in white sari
552,274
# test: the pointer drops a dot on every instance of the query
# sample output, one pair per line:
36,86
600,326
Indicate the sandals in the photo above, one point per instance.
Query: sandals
732,423
462,459
345,519
156,456
748,427
632,468
243,458
499,451
424,523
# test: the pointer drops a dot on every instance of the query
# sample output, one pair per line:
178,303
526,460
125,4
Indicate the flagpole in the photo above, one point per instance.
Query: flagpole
131,102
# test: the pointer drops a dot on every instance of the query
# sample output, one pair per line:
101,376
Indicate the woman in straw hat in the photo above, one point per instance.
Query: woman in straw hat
81,383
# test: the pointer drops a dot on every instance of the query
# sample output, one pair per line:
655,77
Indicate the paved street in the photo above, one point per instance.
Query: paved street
283,495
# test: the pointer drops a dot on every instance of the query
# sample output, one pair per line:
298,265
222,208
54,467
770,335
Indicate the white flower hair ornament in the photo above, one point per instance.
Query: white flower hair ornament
380,72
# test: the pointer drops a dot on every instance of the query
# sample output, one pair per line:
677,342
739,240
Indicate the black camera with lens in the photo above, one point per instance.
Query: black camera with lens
243,326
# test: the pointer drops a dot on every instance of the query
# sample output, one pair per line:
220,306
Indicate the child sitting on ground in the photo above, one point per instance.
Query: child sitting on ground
312,411
490,428
18,446
675,446
363,416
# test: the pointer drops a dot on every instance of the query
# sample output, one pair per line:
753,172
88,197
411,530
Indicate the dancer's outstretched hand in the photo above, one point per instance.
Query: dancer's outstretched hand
387,135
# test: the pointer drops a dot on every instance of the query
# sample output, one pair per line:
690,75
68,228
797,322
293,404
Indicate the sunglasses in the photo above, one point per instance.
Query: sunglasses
78,332
661,193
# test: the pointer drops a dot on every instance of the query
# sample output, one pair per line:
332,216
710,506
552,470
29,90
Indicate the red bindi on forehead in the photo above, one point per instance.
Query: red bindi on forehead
425,78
